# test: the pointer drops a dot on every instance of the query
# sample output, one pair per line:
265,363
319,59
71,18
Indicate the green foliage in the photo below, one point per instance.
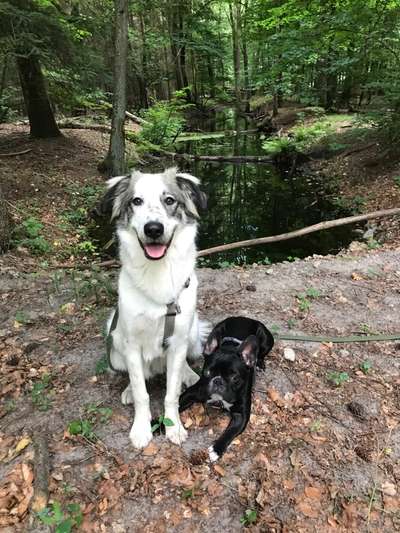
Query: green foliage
63,520
161,421
164,121
97,414
82,428
249,517
365,366
102,365
303,299
28,234
337,378
396,179
41,393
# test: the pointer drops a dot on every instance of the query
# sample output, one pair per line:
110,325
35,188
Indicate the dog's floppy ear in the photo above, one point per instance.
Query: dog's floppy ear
112,201
195,199
212,344
249,350
265,339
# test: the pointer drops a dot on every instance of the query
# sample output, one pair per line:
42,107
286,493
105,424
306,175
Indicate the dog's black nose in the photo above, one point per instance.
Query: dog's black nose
153,229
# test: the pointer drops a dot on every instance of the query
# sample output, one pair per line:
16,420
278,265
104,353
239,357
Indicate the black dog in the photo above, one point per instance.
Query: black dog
233,349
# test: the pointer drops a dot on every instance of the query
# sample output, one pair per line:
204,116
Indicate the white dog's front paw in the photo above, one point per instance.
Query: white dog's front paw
212,454
140,434
176,433
127,396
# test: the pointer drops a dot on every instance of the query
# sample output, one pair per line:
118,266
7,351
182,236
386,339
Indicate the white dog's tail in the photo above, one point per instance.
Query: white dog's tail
198,336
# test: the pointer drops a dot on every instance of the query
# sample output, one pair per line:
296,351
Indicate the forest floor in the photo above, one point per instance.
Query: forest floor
321,452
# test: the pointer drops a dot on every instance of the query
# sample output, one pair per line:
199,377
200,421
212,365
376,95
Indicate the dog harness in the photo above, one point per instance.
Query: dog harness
173,309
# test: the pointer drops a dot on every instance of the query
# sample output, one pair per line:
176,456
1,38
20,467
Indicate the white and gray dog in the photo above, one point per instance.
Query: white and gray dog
156,217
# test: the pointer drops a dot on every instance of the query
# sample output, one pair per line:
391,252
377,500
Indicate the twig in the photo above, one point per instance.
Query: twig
42,470
12,154
298,233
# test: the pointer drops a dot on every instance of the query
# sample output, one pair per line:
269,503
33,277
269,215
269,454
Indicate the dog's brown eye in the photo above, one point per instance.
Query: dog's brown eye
137,201
169,200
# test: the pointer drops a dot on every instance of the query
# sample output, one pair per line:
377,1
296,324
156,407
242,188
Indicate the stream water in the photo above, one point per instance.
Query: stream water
250,200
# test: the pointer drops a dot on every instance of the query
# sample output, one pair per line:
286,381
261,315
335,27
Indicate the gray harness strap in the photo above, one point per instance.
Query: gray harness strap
173,309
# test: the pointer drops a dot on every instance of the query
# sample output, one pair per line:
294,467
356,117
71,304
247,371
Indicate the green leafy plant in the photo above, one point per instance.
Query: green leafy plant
40,394
164,121
365,366
161,421
338,378
82,428
188,493
303,303
21,317
102,365
249,517
98,414
28,234
313,293
396,179
63,520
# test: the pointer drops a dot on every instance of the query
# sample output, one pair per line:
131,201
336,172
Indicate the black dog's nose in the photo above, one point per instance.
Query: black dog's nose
153,229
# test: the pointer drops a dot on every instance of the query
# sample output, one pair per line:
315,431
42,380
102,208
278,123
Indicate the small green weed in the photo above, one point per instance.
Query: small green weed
373,244
396,179
40,394
21,317
313,293
337,378
291,323
188,493
28,234
365,366
365,328
63,520
249,517
82,428
97,414
161,421
316,426
303,303
102,365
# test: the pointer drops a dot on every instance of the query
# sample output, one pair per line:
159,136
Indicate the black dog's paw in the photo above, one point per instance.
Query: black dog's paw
213,455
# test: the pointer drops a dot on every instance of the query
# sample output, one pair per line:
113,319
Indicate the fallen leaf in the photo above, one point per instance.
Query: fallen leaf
151,449
22,444
219,470
313,492
389,488
308,509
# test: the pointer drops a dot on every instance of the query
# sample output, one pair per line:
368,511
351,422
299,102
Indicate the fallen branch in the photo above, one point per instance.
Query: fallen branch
76,126
12,154
219,158
358,149
300,232
41,469
135,118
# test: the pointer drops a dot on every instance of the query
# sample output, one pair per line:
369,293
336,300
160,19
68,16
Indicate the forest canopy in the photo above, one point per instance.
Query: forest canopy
334,54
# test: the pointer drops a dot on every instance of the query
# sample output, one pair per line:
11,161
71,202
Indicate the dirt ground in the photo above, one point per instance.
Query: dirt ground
315,456
321,452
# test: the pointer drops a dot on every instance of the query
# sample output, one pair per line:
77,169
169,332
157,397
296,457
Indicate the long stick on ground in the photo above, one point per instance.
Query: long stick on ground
300,232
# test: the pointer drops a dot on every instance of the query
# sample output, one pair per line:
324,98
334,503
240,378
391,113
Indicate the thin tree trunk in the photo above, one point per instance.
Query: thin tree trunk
115,160
234,12
41,117
6,223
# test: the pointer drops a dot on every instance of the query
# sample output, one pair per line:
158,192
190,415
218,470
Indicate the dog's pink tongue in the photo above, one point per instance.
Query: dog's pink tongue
155,250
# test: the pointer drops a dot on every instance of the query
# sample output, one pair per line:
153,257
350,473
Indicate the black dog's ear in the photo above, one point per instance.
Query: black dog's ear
212,344
112,201
249,350
265,339
195,199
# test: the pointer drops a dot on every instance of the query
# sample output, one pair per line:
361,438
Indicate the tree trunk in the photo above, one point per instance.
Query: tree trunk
115,160
234,12
6,224
40,114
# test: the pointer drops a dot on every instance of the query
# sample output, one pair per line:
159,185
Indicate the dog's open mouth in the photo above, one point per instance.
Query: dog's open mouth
155,250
